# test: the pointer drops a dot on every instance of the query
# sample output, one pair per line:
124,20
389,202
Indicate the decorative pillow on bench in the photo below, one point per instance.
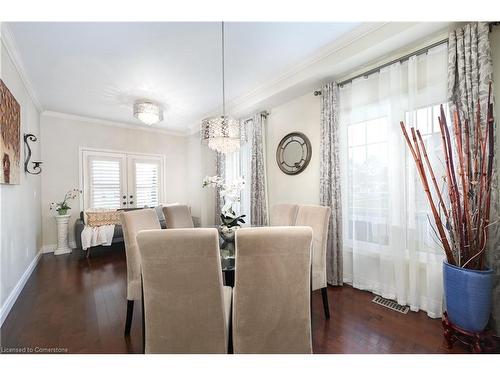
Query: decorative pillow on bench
99,218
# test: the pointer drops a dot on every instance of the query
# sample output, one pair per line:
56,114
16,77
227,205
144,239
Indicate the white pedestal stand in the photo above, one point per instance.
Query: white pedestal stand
62,235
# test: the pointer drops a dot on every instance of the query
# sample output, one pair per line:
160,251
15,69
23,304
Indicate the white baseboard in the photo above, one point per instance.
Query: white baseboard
11,299
51,248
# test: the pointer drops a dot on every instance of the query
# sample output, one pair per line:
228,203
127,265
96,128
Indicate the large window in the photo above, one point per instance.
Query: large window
419,216
120,180
368,181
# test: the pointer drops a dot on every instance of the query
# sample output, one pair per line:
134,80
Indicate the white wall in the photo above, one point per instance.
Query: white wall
301,114
63,135
20,217
201,163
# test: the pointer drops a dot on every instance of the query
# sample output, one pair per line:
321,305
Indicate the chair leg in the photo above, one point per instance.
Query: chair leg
326,307
130,313
143,320
311,310
230,348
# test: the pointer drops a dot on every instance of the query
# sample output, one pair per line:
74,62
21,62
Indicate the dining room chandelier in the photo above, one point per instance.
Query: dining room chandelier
221,133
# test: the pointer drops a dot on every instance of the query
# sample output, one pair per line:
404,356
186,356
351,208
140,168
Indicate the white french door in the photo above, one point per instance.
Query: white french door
144,176
115,180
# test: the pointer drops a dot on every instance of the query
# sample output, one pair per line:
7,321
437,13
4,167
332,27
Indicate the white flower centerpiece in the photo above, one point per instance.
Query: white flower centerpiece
63,207
230,194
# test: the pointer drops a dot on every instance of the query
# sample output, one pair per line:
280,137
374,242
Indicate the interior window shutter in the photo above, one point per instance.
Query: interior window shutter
147,184
105,183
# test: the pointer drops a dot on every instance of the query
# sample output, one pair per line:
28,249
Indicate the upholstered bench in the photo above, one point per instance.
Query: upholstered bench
118,233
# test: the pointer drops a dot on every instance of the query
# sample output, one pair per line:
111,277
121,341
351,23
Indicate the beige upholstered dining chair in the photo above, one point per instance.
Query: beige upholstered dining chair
186,307
132,222
271,300
284,214
318,218
177,216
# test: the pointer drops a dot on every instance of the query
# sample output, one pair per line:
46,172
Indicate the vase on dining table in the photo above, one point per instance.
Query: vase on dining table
227,233
227,246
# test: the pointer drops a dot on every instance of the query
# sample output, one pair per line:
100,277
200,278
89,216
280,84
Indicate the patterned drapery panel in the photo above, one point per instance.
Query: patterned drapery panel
469,69
220,171
469,75
258,193
330,194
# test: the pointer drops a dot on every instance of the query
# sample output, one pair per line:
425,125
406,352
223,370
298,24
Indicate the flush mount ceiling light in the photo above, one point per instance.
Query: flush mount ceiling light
148,112
222,133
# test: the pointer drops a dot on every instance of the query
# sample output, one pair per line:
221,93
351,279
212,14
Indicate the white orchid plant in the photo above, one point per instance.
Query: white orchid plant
230,193
63,207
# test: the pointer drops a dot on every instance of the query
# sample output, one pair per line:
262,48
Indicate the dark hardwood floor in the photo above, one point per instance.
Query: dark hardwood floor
79,305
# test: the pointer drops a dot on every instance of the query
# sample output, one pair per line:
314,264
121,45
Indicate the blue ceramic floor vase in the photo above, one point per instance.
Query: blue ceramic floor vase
467,296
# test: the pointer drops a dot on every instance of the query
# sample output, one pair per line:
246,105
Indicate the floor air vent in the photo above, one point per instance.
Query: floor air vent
390,304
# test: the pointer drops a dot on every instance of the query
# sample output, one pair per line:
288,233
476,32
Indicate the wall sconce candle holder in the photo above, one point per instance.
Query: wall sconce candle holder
36,164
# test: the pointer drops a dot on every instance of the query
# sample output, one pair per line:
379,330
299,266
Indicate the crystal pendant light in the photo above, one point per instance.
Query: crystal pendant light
222,133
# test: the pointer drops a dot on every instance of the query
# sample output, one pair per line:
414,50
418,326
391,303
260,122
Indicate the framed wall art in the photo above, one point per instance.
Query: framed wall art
10,137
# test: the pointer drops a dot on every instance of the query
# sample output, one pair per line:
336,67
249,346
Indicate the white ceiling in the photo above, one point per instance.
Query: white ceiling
98,69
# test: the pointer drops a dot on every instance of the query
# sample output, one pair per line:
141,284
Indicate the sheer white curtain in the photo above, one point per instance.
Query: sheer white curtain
389,245
245,155
237,164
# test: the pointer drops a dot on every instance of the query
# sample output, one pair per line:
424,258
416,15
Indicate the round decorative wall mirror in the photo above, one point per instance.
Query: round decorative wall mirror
293,153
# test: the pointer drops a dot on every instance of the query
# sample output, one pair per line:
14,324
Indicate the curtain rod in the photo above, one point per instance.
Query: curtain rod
406,57
401,59
377,69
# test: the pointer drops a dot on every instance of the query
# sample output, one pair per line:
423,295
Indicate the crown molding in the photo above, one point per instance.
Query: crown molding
10,46
116,124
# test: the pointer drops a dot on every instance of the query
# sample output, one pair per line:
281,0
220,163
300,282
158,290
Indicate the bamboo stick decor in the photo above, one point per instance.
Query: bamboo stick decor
461,211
